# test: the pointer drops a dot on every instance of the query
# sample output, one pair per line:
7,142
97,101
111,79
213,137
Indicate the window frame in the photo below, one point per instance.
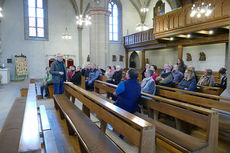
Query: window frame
119,20
26,21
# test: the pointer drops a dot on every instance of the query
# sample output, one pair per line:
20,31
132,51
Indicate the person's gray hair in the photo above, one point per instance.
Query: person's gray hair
118,67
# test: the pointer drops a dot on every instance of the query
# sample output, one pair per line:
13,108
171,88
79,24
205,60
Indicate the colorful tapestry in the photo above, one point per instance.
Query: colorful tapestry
21,66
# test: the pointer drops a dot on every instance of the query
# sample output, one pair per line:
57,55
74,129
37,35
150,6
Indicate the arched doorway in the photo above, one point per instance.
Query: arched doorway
134,60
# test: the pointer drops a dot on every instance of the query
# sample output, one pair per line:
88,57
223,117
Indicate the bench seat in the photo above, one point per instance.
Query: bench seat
11,131
184,140
88,133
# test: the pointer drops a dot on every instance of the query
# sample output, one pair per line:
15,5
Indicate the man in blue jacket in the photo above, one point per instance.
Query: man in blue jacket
93,75
59,75
128,92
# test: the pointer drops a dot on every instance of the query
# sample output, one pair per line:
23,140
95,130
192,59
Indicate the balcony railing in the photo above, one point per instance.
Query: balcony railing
139,37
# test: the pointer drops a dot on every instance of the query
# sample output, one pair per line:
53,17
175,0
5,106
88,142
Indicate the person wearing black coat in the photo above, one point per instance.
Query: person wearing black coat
117,76
76,78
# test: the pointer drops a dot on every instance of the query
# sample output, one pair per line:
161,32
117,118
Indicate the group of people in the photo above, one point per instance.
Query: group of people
128,91
181,76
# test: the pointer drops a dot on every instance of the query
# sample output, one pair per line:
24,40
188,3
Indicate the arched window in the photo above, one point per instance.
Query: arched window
114,20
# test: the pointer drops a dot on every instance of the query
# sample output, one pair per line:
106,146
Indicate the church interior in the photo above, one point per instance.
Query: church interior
110,76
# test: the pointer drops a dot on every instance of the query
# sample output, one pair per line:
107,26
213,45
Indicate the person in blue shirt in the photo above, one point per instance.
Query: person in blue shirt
128,92
188,82
93,75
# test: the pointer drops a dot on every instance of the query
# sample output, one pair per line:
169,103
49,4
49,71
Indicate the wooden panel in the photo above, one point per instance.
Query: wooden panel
30,137
50,143
183,114
171,21
44,119
226,8
166,23
176,21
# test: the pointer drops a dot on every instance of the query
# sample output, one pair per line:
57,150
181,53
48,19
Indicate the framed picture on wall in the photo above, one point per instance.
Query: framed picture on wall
114,58
121,59
159,8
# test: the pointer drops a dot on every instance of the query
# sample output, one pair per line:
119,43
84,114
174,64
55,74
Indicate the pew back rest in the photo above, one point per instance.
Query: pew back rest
136,130
194,98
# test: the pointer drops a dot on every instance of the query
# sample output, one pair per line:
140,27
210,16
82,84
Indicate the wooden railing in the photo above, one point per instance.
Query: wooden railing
139,37
179,21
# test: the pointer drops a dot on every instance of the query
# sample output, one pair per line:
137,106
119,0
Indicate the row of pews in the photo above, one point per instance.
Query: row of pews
198,109
92,139
26,128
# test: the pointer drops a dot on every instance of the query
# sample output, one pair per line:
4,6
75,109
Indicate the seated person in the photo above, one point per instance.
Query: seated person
87,71
147,66
177,75
47,80
76,78
128,92
109,74
223,83
154,76
93,75
166,79
148,85
189,81
207,79
71,72
117,76
101,71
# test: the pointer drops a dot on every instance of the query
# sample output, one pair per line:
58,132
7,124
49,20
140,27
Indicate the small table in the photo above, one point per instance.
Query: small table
5,74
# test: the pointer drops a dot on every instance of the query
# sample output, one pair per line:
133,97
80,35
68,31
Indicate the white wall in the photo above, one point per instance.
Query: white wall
160,57
60,15
215,56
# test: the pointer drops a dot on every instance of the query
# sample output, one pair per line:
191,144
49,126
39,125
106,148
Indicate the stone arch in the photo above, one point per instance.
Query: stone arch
136,59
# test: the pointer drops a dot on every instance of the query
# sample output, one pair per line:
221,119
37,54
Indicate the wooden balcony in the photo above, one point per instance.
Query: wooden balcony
178,24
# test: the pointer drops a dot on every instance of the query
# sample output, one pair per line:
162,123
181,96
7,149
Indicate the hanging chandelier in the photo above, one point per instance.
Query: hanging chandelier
144,9
83,20
66,35
142,27
200,9
1,15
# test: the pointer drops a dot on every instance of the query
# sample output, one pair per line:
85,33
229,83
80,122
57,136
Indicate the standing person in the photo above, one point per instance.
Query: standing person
181,66
128,92
59,75
47,80
148,84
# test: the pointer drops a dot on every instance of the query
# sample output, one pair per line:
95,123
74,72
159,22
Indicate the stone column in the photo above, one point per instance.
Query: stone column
180,52
99,33
80,28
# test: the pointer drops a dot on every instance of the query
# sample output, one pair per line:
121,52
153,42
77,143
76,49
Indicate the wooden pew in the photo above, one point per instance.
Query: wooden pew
198,99
210,90
201,117
83,82
30,138
136,130
12,127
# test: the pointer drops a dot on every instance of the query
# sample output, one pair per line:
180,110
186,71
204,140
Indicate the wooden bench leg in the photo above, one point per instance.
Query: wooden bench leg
61,114
86,110
70,129
103,126
55,104
73,99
